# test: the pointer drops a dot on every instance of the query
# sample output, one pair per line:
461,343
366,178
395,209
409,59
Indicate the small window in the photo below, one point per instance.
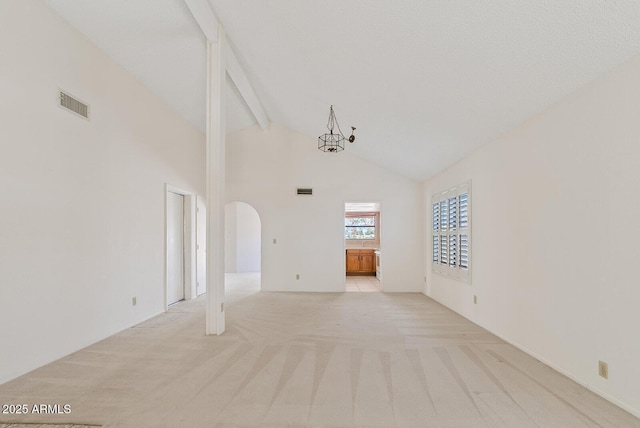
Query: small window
451,232
360,227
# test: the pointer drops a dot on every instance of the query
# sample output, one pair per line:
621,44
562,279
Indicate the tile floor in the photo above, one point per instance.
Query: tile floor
363,284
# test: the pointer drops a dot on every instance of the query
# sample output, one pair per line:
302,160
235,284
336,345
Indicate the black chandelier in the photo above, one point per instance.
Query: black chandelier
332,142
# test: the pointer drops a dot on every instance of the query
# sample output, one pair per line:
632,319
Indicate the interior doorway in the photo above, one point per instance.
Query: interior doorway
175,248
243,240
180,245
201,246
362,246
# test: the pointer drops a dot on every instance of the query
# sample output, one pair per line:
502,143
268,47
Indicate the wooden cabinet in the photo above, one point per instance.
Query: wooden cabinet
361,262
353,261
367,261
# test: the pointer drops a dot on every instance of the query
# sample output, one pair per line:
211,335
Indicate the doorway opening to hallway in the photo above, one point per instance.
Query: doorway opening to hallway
243,243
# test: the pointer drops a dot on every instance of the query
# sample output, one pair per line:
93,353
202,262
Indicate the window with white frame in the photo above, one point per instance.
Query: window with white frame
451,232
362,228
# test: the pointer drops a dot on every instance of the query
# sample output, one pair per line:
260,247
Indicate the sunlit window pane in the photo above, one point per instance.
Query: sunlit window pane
363,227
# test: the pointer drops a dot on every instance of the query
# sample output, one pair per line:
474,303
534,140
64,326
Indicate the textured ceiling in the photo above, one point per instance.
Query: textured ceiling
424,81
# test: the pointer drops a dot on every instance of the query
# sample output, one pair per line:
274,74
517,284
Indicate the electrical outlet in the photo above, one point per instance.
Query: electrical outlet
134,301
297,276
275,241
603,369
475,299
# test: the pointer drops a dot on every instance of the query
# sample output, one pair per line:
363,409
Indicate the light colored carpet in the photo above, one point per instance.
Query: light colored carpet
37,425
310,360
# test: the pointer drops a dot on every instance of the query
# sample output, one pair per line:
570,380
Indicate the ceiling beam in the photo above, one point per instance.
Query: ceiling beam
244,87
201,11
206,19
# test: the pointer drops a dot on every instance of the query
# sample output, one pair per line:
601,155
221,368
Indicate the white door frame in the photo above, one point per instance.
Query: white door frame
189,242
380,230
201,268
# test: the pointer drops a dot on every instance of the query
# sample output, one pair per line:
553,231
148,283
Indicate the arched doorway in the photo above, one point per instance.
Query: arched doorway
243,242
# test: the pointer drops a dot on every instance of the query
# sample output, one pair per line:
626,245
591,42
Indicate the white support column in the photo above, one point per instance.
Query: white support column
216,75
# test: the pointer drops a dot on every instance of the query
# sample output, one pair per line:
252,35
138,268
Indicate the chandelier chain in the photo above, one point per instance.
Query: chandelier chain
333,122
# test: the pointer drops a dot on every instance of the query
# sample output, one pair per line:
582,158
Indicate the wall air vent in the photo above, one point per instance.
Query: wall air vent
302,191
73,105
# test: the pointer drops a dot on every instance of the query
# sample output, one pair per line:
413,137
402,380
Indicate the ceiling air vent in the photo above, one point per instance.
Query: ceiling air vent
302,191
76,106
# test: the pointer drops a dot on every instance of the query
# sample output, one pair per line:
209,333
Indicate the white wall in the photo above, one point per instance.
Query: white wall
249,240
230,237
81,202
242,238
555,213
264,170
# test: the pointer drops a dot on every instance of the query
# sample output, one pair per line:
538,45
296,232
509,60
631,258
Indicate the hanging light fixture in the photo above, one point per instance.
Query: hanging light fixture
333,142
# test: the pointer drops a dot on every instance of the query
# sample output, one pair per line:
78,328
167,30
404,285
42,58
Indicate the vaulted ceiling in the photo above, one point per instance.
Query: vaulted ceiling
424,81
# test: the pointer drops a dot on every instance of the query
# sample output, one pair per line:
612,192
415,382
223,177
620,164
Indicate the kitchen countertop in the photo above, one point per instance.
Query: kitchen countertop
363,248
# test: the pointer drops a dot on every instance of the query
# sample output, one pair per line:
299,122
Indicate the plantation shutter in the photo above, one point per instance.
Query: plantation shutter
453,253
444,252
453,213
464,251
444,215
463,206
451,232
463,201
